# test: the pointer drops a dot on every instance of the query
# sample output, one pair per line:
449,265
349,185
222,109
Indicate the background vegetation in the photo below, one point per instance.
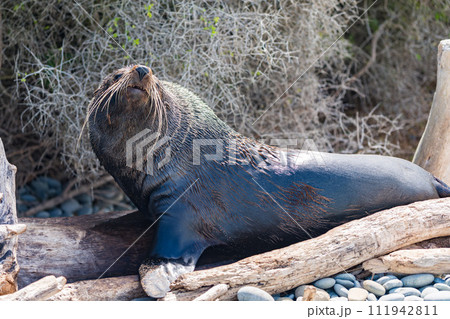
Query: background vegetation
367,91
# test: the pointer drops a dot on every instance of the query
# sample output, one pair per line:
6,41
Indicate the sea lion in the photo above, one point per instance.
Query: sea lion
212,186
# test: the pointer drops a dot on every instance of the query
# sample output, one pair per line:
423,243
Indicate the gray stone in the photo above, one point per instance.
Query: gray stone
325,283
40,189
427,291
424,287
413,298
28,198
300,290
299,298
438,296
374,287
406,291
144,299
371,297
339,299
248,293
85,210
42,214
345,276
22,208
340,290
332,294
447,281
70,206
418,280
56,212
441,287
84,199
346,283
284,299
385,279
392,297
438,280
321,295
393,283
357,284
51,182
357,294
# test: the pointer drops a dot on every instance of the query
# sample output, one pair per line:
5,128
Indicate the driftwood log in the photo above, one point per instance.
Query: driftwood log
9,229
433,152
339,249
412,261
38,290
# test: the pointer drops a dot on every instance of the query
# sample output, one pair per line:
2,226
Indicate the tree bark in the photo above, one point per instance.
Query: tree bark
413,261
339,249
433,152
9,229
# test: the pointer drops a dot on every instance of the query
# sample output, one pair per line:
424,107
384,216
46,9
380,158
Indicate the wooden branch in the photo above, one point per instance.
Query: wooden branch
116,288
39,290
413,261
213,293
433,152
82,247
9,267
339,249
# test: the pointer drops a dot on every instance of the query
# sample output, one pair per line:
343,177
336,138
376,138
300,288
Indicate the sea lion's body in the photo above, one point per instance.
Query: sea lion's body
254,197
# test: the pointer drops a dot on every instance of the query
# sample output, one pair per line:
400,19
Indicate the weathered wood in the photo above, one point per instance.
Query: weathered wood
105,289
412,261
339,249
38,290
433,152
9,267
213,293
84,247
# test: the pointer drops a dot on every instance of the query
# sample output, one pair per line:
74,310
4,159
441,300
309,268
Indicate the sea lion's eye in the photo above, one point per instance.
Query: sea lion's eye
117,76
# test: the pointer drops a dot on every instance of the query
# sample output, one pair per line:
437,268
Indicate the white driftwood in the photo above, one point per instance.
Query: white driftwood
412,261
39,290
115,288
213,293
433,152
339,249
9,267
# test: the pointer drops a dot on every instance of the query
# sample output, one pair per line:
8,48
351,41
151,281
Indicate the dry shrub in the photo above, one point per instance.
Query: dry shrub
239,56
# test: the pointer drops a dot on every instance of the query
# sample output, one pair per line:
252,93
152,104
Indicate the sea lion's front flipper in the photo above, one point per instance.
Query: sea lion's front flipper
157,273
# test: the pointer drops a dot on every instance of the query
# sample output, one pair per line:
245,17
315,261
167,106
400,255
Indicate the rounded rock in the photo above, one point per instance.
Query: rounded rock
70,206
143,299
441,287
438,280
56,212
357,294
340,290
406,291
299,298
284,299
447,281
345,276
371,297
424,287
413,298
28,198
346,283
84,199
332,294
392,297
438,296
427,291
418,280
248,293
300,290
339,299
321,295
393,283
357,284
85,210
42,214
324,283
374,287
385,279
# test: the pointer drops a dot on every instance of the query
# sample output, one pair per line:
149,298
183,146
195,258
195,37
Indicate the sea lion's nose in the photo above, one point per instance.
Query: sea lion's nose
142,71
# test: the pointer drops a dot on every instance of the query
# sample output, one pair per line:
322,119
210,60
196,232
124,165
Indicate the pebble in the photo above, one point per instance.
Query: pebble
332,294
53,183
56,212
385,279
346,283
424,287
427,291
339,299
413,298
40,189
284,299
84,199
248,293
357,284
371,297
300,298
392,297
340,290
28,198
300,290
42,214
393,283
22,208
374,287
418,280
439,280
406,291
325,283
143,299
86,210
441,287
345,276
357,294
447,281
438,296
70,206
